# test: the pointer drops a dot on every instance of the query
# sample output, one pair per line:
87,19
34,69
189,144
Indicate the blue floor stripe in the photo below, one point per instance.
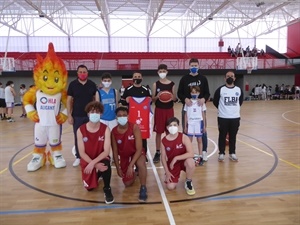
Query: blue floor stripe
61,209
253,195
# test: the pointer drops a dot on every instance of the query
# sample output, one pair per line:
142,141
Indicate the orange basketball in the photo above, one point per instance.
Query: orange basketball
165,96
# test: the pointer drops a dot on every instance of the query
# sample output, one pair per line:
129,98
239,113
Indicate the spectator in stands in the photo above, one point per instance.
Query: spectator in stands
262,52
229,49
254,51
238,49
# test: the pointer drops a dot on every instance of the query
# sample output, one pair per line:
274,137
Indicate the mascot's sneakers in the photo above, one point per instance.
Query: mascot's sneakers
56,159
36,162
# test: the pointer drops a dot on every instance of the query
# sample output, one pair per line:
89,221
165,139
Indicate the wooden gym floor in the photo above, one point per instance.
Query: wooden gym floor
262,188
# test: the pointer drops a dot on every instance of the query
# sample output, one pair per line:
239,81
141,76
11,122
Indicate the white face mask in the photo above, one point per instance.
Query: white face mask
12,85
106,84
173,129
94,117
162,75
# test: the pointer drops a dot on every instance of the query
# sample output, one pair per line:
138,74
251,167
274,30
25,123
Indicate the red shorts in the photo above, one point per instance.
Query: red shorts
160,119
124,163
179,165
90,181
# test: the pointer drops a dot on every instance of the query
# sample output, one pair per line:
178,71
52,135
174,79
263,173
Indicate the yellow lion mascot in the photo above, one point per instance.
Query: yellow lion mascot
45,104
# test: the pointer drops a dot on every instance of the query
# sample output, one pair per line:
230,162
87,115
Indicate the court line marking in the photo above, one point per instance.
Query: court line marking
113,206
35,211
161,190
269,194
283,116
285,161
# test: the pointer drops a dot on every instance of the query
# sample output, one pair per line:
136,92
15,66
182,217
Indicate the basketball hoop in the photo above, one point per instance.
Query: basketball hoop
249,70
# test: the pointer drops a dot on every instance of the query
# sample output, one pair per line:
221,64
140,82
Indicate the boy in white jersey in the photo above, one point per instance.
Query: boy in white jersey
10,95
195,121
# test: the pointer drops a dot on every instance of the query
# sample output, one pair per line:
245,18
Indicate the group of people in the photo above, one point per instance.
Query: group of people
239,51
264,92
102,120
109,127
7,100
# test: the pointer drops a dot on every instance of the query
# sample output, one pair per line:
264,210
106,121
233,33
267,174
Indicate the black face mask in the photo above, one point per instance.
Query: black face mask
137,81
229,80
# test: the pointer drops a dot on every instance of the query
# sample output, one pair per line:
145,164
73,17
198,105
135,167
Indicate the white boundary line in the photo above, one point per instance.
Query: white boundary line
283,115
161,190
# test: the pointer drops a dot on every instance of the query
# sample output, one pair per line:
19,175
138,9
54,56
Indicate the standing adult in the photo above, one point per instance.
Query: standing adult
81,91
138,90
2,103
184,94
228,99
10,95
94,147
22,92
163,110
126,141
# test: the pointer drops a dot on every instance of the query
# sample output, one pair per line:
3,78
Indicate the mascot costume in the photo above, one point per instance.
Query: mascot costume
45,104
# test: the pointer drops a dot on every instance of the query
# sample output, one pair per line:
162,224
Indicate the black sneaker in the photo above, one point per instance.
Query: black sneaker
109,198
143,194
156,158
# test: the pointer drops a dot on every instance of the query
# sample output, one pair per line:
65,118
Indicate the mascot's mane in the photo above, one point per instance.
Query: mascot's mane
51,63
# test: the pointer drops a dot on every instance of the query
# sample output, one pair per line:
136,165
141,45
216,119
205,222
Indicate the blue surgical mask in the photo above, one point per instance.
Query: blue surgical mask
94,117
194,69
122,120
194,96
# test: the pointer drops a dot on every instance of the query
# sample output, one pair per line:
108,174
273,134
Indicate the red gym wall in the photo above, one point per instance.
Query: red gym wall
293,45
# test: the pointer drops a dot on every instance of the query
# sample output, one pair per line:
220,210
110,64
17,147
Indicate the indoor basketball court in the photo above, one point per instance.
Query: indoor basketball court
263,186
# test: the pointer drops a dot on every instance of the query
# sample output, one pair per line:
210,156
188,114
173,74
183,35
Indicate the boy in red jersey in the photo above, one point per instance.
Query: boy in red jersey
94,146
163,111
176,155
126,140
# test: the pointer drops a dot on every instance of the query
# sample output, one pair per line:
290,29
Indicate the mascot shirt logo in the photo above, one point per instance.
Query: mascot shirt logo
47,103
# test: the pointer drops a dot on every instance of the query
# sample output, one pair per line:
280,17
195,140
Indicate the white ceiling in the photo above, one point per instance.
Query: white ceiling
181,18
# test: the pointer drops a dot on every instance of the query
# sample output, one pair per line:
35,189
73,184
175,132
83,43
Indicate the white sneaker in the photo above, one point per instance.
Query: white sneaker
233,157
57,160
76,162
204,156
221,157
36,162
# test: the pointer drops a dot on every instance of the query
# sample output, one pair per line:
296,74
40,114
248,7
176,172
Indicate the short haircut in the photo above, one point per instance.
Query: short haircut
172,119
196,88
106,75
22,85
82,66
136,72
121,108
0,83
94,105
162,67
194,60
230,71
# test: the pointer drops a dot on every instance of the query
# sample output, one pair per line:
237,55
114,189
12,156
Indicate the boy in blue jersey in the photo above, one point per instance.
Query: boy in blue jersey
108,97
